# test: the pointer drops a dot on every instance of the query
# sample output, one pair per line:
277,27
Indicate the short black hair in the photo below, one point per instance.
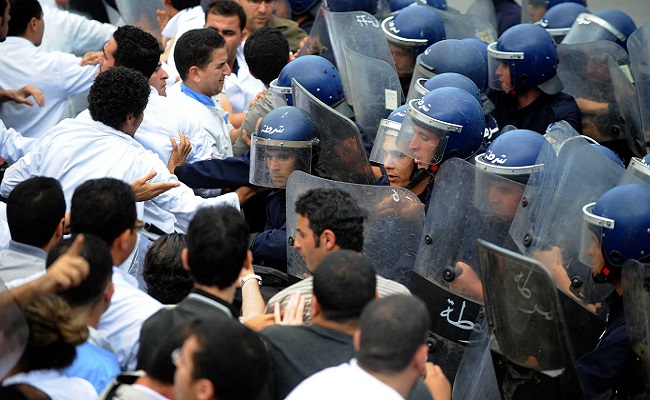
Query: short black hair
21,12
266,52
35,209
336,210
103,207
115,94
229,355
227,8
166,278
136,49
392,329
96,252
161,367
181,5
194,48
217,246
344,283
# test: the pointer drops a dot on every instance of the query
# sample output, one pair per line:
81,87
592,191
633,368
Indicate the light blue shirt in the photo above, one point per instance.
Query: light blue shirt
94,364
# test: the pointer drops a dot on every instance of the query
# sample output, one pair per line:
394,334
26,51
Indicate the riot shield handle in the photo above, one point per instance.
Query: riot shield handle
450,273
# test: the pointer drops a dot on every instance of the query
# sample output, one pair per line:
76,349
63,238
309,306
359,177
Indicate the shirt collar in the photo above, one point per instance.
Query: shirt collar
200,97
221,304
27,249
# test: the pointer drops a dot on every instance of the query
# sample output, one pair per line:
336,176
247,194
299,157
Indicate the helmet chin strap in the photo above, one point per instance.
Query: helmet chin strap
418,176
602,276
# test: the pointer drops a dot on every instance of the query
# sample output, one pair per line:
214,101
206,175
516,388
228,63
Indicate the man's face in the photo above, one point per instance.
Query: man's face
596,254
504,198
404,61
536,12
159,80
423,146
106,61
503,72
184,384
398,165
4,23
228,27
309,247
258,13
211,77
281,164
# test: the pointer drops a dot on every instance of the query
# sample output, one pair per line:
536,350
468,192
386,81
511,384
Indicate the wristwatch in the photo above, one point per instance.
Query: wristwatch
251,276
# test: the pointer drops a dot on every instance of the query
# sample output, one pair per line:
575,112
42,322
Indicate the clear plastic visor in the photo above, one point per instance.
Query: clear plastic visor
558,34
423,138
418,91
594,228
280,95
272,161
639,169
590,28
497,195
385,141
419,72
501,68
492,162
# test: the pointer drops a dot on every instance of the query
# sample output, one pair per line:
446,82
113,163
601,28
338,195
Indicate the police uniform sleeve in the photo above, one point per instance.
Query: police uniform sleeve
231,172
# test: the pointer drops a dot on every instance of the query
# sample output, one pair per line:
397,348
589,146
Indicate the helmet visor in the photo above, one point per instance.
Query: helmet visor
594,228
424,138
501,68
385,140
280,95
639,169
272,161
497,195
589,28
419,72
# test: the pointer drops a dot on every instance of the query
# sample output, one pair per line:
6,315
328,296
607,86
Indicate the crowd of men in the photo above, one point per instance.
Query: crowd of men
269,199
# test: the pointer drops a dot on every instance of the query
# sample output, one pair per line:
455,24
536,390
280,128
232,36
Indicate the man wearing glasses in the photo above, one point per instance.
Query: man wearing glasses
259,13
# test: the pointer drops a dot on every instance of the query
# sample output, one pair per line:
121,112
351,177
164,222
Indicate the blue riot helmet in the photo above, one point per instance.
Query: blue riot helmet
299,7
447,79
396,5
616,228
316,74
609,154
467,60
415,27
369,6
445,123
558,20
613,25
285,141
525,56
640,167
481,46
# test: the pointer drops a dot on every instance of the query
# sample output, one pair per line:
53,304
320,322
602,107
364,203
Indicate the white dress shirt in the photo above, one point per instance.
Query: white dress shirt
55,385
185,20
58,75
242,87
165,118
13,145
346,381
121,322
77,150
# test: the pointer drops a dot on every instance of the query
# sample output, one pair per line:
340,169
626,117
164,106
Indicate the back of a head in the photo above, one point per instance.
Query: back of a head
115,94
217,246
136,49
95,251
195,48
34,210
183,4
344,283
335,210
22,391
229,355
21,12
392,329
167,279
103,207
53,335
267,52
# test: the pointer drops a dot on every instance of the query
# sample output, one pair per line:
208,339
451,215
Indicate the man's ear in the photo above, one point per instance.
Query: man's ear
33,23
315,307
123,239
204,389
194,74
108,293
328,239
356,339
184,259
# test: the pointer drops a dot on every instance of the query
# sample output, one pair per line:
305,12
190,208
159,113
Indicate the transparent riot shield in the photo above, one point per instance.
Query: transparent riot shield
628,107
461,26
342,156
635,281
394,220
585,75
533,355
590,28
463,208
318,42
13,331
484,9
374,90
547,227
637,45
357,32
141,13
557,133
